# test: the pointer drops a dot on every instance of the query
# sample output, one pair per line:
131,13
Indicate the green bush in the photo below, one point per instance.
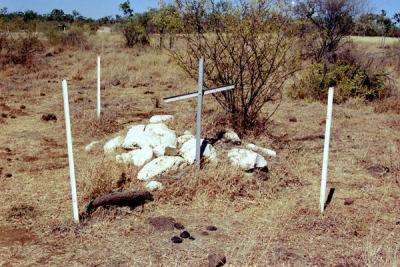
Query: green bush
20,50
75,37
349,80
135,34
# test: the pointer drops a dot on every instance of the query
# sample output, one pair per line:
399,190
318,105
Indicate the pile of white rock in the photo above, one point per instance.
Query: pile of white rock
157,150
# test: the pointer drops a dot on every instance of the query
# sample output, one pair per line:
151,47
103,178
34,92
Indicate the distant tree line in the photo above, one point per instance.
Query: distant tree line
167,18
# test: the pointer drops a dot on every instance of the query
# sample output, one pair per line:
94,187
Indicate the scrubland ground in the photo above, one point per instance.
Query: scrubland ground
269,220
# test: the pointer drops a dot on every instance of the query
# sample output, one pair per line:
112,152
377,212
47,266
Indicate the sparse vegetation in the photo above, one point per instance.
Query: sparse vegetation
245,45
20,49
259,218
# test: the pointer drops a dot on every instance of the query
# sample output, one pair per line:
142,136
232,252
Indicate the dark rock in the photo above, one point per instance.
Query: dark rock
216,259
211,228
192,238
292,119
185,234
205,233
49,117
13,117
8,175
22,107
115,82
103,87
176,239
179,226
42,94
148,93
162,223
348,201
378,170
49,54
398,223
4,115
8,150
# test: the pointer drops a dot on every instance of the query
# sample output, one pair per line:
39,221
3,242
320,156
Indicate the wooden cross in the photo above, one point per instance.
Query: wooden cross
199,95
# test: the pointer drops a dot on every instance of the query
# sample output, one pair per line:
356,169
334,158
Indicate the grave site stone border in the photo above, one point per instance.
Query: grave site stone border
200,94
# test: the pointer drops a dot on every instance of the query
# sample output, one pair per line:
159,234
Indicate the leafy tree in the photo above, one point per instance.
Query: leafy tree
4,11
125,7
396,18
331,21
166,19
56,15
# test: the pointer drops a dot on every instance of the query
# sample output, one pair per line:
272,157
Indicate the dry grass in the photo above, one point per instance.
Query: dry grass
262,220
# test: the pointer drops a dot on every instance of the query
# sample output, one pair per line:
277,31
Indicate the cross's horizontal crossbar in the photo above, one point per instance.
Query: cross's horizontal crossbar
195,94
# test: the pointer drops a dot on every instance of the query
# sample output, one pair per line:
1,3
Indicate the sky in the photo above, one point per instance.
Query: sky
101,8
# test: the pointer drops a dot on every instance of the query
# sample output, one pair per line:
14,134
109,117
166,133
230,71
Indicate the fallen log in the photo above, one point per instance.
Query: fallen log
127,199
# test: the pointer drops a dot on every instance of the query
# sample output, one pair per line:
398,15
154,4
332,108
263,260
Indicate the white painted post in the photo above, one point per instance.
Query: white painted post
199,113
326,149
70,154
98,88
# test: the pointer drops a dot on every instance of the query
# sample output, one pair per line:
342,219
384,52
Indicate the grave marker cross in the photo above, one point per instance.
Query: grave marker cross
199,95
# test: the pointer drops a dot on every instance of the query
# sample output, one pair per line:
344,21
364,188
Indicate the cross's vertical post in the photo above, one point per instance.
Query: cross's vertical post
98,88
326,149
70,153
199,113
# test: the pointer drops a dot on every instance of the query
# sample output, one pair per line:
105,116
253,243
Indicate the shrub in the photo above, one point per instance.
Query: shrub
135,34
349,81
389,105
75,37
21,49
245,45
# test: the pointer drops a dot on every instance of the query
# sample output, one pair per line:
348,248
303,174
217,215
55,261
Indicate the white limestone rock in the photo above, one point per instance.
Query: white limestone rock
159,166
184,138
160,135
90,147
161,118
246,159
232,137
138,157
154,185
261,150
188,151
113,144
136,137
153,135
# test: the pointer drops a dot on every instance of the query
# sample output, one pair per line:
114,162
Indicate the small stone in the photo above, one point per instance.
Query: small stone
162,223
8,175
13,117
42,94
22,107
216,260
179,226
8,150
211,228
292,119
115,82
4,115
103,87
192,238
348,201
185,234
49,117
154,185
176,240
205,233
